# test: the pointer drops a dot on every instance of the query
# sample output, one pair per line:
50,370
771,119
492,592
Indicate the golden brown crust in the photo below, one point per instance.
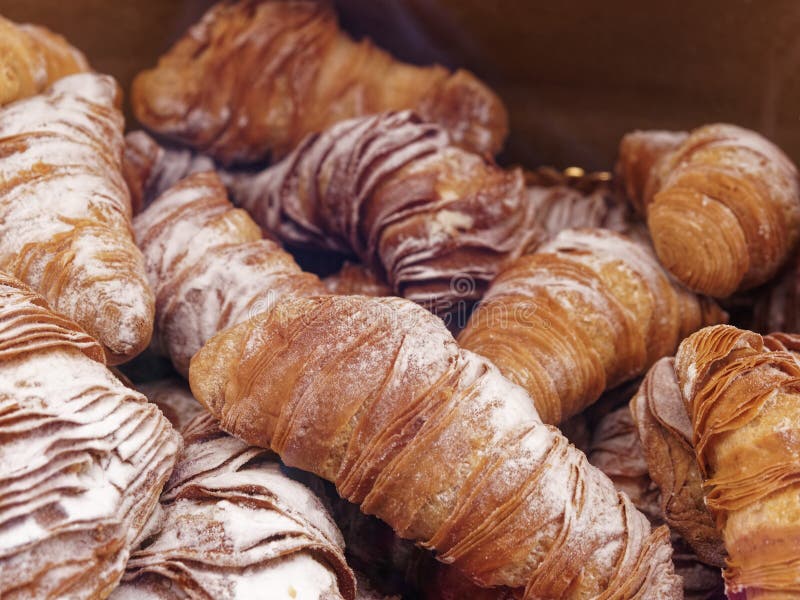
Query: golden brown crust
434,220
666,435
65,211
282,70
589,310
742,399
639,153
84,458
723,206
32,58
375,395
209,266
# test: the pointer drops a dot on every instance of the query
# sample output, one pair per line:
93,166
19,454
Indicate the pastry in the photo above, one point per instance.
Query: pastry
82,459
173,398
209,266
397,566
776,305
722,204
375,395
587,311
434,220
356,280
150,169
636,175
560,201
32,58
254,77
741,393
617,451
233,526
660,418
65,211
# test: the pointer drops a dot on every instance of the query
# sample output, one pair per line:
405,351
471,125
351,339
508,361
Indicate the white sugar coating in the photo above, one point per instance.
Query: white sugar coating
181,242
509,412
297,576
83,453
393,191
65,209
237,526
209,267
514,408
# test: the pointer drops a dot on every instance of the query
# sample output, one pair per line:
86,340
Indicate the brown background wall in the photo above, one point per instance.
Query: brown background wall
576,74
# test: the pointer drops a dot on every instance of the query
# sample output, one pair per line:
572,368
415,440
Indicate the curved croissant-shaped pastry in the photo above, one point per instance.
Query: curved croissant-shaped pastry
393,191
617,451
586,312
254,77
150,169
722,204
742,394
375,395
209,266
82,459
233,526
65,211
665,432
32,58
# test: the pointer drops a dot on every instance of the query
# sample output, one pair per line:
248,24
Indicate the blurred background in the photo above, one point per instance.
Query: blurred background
575,74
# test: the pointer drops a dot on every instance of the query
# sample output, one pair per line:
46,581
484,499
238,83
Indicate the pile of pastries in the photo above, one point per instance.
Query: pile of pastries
520,384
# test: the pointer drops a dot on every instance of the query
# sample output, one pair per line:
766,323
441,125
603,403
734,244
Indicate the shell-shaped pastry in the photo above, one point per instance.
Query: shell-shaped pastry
253,78
65,214
722,204
665,431
434,220
742,392
587,311
233,526
82,461
374,395
209,266
31,58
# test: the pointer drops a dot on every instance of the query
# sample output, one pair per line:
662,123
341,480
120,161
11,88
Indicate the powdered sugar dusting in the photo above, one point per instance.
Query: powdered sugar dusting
233,526
65,210
81,454
209,267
